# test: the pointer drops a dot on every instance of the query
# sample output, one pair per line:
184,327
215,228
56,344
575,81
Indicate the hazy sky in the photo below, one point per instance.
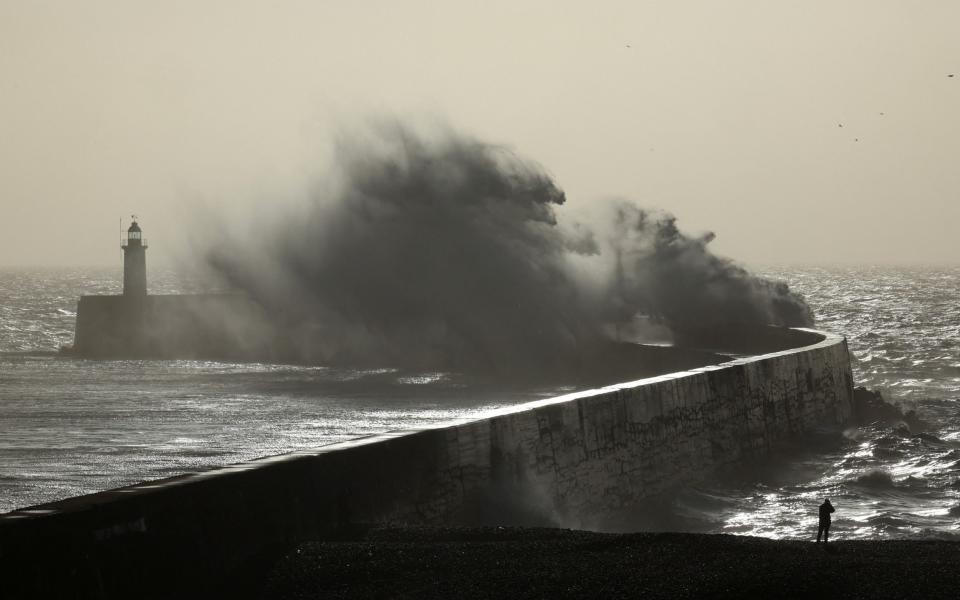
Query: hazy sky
726,113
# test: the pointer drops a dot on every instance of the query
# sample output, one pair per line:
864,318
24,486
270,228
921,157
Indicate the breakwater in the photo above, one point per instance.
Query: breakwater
218,326
565,461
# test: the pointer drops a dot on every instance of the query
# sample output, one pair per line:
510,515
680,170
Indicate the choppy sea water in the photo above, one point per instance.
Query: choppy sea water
70,426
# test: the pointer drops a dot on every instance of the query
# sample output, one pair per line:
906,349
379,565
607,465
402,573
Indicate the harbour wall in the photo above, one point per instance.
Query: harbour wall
566,461
226,326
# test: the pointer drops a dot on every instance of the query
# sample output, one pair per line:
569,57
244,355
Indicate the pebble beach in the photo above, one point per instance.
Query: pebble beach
538,563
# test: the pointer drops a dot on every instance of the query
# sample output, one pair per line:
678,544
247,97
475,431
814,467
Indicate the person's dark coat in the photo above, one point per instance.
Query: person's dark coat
825,509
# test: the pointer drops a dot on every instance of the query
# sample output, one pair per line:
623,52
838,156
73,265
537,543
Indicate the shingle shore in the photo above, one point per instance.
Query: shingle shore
538,563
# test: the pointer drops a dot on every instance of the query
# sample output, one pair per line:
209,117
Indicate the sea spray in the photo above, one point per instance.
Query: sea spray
434,248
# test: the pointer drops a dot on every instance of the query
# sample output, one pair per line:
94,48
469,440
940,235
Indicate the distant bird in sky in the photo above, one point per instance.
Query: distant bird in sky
628,45
856,139
839,124
950,75
881,114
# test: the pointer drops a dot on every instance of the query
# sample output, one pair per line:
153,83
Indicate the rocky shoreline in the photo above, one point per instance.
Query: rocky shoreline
538,563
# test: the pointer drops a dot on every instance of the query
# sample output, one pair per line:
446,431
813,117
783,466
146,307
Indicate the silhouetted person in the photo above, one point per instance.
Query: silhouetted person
825,509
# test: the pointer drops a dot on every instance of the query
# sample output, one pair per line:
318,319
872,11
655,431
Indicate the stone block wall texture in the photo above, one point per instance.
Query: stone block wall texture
565,461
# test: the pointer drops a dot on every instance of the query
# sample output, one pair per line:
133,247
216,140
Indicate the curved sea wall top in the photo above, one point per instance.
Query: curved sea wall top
568,461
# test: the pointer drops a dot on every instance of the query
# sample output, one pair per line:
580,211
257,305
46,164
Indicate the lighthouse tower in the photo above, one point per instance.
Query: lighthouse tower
134,262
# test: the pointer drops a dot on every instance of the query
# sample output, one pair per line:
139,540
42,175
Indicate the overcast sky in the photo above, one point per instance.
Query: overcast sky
726,113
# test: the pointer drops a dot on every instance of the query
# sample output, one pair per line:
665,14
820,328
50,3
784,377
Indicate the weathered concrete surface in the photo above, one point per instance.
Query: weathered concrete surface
565,461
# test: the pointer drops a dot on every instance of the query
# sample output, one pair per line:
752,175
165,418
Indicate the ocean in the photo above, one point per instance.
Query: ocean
70,426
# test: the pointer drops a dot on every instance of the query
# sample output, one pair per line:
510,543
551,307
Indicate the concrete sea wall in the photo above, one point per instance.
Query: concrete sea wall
169,326
565,461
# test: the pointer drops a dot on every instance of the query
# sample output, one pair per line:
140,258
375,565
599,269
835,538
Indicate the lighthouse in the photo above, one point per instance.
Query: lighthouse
138,325
134,261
